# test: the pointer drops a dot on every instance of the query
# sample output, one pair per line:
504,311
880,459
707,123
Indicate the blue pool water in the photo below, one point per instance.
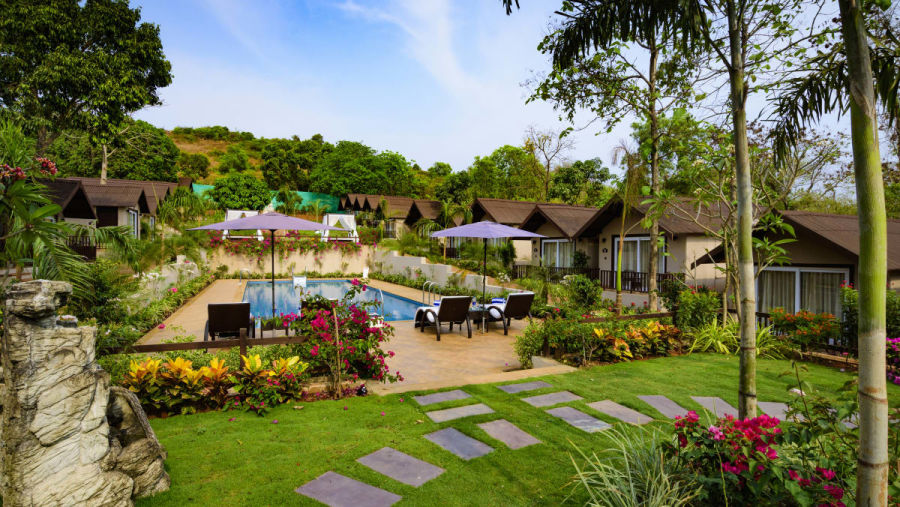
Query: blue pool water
259,295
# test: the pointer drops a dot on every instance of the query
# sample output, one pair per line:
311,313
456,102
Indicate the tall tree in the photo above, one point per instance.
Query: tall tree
644,72
847,76
739,35
550,147
69,64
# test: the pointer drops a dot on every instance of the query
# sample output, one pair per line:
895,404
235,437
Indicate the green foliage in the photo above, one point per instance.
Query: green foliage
636,470
353,167
440,169
136,150
96,65
580,293
193,165
850,314
127,331
806,329
697,307
715,337
287,163
582,182
455,188
235,159
240,191
101,298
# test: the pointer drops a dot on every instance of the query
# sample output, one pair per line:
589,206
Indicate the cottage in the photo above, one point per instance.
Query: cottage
117,205
823,255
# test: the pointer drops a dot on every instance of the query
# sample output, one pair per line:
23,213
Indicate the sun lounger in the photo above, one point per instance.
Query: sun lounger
517,306
451,310
225,320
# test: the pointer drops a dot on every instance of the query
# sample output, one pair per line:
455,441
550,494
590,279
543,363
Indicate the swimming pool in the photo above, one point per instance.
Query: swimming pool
287,299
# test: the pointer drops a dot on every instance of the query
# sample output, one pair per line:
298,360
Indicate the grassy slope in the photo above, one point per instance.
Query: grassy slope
208,146
254,462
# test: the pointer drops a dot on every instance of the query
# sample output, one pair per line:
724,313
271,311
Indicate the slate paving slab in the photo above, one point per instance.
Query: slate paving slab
716,405
774,409
520,388
430,399
401,467
463,446
620,412
450,414
508,433
579,419
338,491
545,400
664,405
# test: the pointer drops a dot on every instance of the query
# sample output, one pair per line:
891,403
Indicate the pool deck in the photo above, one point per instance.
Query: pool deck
424,362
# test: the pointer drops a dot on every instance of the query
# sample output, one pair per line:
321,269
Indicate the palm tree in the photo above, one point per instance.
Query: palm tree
447,217
290,202
316,208
628,192
848,75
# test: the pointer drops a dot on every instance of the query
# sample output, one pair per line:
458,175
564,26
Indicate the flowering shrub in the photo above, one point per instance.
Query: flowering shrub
739,462
893,360
176,387
806,329
608,341
291,242
850,314
344,339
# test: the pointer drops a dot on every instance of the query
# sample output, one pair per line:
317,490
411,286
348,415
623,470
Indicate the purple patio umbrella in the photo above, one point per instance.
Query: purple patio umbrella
270,222
485,230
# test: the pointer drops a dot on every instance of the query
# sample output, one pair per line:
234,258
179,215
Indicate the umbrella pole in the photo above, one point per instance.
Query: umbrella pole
483,287
273,271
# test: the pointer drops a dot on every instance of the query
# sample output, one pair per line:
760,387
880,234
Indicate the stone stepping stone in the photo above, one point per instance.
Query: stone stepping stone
450,414
716,405
463,446
620,412
430,399
775,409
401,467
579,419
508,433
545,400
527,386
664,405
338,491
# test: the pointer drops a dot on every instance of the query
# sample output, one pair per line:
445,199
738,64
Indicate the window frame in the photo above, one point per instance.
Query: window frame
798,279
663,258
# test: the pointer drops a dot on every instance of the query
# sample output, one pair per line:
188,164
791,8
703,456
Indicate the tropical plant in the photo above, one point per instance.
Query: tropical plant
715,337
447,217
289,201
636,470
240,191
316,208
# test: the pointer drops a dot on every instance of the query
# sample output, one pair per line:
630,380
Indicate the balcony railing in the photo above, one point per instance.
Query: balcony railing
83,247
632,281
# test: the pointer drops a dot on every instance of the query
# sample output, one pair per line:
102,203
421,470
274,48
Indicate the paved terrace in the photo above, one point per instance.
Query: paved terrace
424,362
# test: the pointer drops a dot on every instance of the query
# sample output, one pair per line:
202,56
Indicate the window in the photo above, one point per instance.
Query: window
134,221
816,290
557,253
636,255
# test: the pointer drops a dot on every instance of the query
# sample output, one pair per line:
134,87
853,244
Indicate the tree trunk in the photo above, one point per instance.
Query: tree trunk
104,165
619,261
872,470
747,385
654,177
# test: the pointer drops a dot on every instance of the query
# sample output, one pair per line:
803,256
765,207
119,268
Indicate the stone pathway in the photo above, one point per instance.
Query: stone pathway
527,386
664,405
718,406
508,433
431,399
401,467
620,412
450,414
579,419
545,400
461,445
338,491
774,409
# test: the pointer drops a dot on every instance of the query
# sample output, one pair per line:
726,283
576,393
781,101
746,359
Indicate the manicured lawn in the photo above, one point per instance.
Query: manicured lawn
252,461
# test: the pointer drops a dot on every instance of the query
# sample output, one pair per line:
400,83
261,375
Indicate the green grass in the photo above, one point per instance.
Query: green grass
253,462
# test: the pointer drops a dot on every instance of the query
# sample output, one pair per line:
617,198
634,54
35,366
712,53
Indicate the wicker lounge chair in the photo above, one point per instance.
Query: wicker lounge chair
225,320
452,310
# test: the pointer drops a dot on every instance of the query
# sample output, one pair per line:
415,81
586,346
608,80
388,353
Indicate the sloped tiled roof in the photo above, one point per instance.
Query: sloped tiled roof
117,196
682,217
568,219
502,211
398,207
843,232
71,197
154,191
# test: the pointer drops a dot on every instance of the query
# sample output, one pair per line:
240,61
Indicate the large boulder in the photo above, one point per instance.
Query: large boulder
56,444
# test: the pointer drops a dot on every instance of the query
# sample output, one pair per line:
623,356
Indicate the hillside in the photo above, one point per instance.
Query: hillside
214,142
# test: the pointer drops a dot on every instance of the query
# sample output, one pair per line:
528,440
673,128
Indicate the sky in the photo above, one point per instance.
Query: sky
435,80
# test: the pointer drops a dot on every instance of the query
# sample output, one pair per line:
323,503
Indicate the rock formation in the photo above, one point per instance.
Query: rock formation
65,437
